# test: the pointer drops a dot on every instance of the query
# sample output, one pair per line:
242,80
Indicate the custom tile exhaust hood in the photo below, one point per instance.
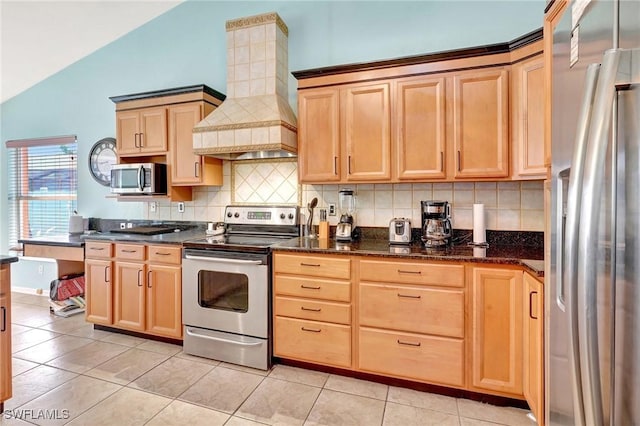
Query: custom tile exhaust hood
255,120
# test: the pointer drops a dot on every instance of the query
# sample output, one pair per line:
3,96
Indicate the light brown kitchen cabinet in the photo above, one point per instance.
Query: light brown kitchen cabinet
186,167
135,287
312,309
481,124
5,335
528,97
98,271
495,329
391,295
420,133
533,346
141,132
319,135
366,129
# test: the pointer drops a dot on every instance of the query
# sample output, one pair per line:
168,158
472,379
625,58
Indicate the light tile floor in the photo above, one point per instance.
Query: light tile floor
65,372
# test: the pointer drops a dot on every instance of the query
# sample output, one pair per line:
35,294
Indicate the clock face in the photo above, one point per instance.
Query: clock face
101,160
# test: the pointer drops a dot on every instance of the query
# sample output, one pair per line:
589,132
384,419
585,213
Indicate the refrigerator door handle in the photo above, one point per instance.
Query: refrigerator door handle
599,132
567,261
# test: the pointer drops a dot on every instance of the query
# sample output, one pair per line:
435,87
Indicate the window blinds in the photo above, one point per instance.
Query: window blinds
43,185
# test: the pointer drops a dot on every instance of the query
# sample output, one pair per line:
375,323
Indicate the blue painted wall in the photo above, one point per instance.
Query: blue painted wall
187,45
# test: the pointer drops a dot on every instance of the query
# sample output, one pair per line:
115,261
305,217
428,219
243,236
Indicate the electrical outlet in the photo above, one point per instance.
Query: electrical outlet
153,206
129,225
180,207
40,269
332,209
123,225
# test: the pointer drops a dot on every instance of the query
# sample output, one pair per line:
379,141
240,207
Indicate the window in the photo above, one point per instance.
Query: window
43,186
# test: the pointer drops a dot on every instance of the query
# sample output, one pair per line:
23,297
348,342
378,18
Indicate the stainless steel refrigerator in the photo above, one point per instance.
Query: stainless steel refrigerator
592,332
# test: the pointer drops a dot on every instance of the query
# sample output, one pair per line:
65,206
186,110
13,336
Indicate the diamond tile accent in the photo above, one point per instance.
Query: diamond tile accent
270,182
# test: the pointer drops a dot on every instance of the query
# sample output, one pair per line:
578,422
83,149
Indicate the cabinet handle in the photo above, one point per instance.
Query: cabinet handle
409,296
139,282
310,287
149,279
97,248
141,140
441,161
159,253
129,251
4,319
402,271
459,165
310,309
196,169
135,140
349,165
312,330
317,265
531,293
400,342
335,165
106,276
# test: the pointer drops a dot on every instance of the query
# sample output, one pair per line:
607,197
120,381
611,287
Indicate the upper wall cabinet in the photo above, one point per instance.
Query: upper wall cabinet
466,115
141,131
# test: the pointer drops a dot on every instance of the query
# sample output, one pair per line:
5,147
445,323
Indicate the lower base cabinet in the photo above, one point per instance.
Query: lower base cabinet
5,334
533,346
412,356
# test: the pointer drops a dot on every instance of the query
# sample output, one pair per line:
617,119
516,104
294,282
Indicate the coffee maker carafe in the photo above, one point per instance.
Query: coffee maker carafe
436,223
346,228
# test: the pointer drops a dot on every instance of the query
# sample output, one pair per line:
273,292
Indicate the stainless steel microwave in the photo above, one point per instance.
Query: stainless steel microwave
139,179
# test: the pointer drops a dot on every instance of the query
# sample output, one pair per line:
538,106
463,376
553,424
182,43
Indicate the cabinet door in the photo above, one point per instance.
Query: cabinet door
366,126
99,291
420,129
164,300
496,330
528,119
186,167
481,124
130,282
318,135
533,346
127,132
5,333
153,130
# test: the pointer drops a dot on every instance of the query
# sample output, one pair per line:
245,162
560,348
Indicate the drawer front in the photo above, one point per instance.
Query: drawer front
130,251
413,309
312,310
412,273
313,287
312,341
98,250
315,266
165,254
412,356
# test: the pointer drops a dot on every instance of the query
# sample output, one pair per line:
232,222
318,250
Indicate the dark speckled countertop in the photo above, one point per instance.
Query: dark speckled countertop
531,258
4,259
168,238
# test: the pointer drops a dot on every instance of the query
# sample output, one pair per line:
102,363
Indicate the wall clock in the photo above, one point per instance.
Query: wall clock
102,157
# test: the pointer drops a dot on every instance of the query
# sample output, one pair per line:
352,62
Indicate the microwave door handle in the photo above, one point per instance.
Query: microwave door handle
567,263
141,178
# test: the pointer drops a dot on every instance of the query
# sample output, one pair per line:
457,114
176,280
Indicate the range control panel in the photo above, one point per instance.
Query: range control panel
261,215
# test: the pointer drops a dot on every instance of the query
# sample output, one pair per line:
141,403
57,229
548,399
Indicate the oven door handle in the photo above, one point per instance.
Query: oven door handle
219,339
221,260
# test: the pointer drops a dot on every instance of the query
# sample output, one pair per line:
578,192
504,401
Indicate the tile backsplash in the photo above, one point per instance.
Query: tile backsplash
510,206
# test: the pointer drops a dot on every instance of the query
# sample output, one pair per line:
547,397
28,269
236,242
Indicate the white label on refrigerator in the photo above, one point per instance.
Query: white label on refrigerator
577,10
573,57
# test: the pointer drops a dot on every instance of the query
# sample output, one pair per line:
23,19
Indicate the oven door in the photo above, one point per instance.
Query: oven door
227,292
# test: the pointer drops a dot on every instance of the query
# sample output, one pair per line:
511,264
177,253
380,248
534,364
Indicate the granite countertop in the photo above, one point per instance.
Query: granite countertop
168,238
7,259
529,257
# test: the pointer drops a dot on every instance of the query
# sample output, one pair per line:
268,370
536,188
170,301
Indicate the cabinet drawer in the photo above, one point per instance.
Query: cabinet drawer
412,356
312,310
413,309
316,266
130,251
97,250
412,273
313,287
313,341
165,254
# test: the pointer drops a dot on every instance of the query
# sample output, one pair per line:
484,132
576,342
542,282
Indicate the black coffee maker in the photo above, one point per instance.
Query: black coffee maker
436,223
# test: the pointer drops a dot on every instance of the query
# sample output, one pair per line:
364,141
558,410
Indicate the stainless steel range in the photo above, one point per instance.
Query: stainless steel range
226,285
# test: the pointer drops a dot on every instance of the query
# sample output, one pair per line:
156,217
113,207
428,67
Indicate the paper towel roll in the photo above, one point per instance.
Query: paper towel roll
479,226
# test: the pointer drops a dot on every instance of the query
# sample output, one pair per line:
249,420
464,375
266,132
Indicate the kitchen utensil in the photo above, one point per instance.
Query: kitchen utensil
400,231
312,205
